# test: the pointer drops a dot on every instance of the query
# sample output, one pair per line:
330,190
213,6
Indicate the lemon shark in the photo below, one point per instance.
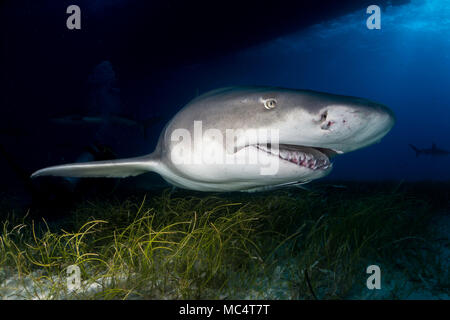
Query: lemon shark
250,139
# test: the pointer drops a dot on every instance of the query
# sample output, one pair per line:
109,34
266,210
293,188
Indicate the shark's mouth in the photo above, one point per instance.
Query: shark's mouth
309,157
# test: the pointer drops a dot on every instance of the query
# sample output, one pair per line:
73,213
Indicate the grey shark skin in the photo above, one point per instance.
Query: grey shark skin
433,151
312,126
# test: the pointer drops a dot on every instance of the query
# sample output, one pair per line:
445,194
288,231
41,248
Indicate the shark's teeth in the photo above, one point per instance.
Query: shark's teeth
313,160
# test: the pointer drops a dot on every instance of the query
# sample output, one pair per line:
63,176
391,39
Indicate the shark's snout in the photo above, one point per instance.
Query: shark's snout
363,124
387,115
380,120
343,125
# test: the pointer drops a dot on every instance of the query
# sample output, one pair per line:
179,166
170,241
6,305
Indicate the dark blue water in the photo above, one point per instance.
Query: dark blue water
144,60
405,65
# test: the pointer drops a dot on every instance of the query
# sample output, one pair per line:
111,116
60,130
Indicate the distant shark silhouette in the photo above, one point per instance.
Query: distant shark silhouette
433,151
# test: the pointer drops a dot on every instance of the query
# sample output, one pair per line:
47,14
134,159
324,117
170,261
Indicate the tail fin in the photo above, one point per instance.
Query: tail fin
109,169
415,149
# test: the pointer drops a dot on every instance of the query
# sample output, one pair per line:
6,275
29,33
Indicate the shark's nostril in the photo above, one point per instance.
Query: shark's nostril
327,125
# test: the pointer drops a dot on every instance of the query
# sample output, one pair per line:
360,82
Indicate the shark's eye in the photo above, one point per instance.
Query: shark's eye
270,103
323,117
